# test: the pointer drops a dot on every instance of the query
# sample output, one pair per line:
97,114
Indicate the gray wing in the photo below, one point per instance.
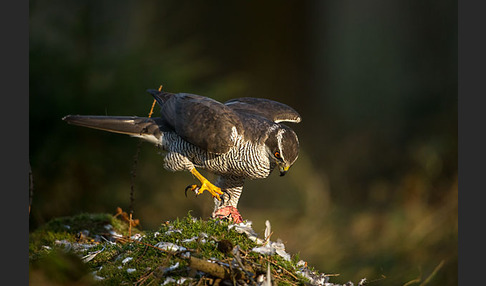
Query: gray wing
272,110
200,120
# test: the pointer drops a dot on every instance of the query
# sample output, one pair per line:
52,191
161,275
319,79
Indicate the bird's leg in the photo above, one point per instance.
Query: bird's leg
205,186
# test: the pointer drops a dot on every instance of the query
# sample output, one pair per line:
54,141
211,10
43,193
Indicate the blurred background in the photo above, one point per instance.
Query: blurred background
374,191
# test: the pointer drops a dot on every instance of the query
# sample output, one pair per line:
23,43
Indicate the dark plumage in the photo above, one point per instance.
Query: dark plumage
240,139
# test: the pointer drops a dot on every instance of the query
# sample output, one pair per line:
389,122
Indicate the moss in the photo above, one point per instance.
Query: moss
110,261
94,223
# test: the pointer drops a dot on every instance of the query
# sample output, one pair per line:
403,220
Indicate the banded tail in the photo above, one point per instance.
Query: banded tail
143,127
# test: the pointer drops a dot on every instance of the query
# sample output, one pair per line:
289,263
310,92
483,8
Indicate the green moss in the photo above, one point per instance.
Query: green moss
116,263
94,223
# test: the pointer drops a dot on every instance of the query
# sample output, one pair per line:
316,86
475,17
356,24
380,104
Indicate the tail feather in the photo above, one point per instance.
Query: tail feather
144,127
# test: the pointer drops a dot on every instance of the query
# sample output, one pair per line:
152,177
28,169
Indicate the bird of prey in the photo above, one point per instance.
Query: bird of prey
243,138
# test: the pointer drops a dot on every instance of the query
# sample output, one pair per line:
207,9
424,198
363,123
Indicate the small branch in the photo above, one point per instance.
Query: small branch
133,173
31,187
210,268
432,275
285,270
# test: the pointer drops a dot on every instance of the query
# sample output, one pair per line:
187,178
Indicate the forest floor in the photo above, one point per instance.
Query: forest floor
103,249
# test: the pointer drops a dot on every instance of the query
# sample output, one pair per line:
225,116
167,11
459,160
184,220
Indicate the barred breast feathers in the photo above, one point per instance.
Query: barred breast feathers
244,159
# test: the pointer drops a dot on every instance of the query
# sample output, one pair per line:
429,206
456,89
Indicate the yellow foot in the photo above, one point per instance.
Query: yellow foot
205,186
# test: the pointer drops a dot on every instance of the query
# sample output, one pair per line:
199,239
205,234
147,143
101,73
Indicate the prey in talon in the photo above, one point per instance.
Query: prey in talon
240,139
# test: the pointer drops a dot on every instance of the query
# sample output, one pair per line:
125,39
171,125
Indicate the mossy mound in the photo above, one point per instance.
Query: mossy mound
96,249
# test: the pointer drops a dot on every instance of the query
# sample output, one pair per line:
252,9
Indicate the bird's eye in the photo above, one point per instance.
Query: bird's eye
277,155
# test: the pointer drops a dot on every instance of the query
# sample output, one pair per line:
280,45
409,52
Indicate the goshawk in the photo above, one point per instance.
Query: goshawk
240,139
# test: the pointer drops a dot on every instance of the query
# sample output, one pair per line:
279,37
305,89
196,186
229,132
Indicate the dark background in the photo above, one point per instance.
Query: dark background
374,191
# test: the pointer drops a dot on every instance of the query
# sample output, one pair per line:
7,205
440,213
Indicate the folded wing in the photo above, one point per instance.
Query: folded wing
269,109
200,120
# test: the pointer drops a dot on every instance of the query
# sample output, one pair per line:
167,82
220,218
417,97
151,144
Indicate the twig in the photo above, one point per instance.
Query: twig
134,174
143,279
267,239
144,251
336,275
249,274
283,278
416,280
132,185
274,263
210,268
31,187
153,104
436,269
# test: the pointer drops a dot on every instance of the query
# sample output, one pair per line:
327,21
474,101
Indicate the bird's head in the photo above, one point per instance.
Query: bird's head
282,147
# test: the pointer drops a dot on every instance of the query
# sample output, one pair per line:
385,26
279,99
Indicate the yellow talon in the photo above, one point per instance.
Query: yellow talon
205,186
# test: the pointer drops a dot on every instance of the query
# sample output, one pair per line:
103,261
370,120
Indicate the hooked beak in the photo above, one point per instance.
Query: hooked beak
283,170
